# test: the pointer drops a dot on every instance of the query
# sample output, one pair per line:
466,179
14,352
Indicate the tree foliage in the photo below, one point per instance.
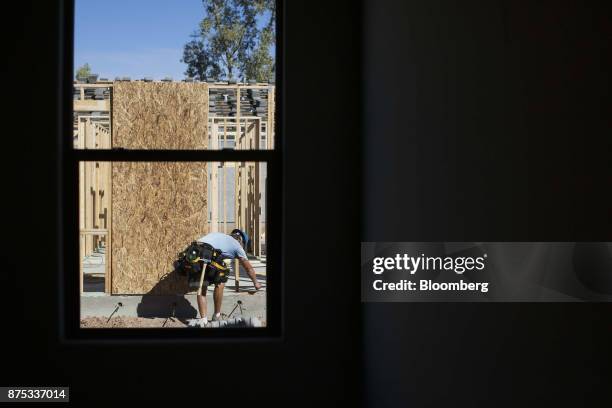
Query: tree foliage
229,44
83,71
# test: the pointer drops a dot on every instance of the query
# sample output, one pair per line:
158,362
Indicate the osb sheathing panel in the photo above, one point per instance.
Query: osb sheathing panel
160,115
158,209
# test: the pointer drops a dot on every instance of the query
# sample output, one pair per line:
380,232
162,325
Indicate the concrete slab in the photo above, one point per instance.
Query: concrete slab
253,305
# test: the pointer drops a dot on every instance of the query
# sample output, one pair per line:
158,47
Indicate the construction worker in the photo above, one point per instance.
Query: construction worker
231,246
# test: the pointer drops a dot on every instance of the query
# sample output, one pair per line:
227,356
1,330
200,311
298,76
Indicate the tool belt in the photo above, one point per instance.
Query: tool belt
199,257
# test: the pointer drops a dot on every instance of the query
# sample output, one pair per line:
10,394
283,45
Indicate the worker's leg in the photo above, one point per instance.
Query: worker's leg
218,297
202,303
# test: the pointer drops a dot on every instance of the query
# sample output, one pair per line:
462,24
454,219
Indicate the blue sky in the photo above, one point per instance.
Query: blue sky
135,38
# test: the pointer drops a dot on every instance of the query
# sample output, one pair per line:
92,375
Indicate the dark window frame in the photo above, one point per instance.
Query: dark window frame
68,226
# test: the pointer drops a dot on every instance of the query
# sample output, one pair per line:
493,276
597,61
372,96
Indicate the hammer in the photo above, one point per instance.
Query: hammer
202,279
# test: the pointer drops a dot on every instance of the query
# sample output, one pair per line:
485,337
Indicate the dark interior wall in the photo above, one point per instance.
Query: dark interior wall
487,121
316,364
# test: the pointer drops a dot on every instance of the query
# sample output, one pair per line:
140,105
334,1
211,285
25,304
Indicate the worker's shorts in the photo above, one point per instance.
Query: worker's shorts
214,276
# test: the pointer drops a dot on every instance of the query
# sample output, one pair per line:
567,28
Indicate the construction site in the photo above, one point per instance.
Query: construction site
135,217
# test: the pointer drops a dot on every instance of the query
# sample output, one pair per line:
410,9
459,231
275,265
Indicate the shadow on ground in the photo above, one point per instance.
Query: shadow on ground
157,302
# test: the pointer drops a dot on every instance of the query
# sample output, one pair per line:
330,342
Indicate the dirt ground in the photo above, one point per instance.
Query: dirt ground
126,322
134,322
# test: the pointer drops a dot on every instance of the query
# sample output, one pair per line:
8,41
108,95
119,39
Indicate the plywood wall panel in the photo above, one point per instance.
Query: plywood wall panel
158,209
160,115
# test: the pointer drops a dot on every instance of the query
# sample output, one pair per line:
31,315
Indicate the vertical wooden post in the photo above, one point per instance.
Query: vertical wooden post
236,221
243,195
251,203
270,127
108,254
225,132
257,210
214,191
250,190
82,189
103,179
80,133
238,141
89,199
110,117
81,145
106,179
238,96
224,183
243,176
82,244
96,186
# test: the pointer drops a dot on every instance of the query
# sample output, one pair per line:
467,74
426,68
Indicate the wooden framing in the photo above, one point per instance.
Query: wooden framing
271,122
91,105
95,178
246,132
93,132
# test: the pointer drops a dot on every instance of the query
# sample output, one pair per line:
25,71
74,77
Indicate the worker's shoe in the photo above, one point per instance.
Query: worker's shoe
216,317
197,322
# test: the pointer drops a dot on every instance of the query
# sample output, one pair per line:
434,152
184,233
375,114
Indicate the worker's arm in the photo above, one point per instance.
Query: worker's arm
250,271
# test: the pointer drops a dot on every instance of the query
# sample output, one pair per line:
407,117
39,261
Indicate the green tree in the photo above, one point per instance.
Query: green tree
83,71
229,44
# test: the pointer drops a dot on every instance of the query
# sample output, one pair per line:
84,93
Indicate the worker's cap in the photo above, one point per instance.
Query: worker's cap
243,235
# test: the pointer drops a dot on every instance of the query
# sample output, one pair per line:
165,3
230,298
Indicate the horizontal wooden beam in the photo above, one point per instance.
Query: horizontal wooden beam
96,85
97,118
232,119
234,86
88,105
93,231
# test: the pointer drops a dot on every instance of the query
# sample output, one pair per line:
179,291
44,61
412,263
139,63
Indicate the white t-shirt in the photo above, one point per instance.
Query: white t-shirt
229,247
